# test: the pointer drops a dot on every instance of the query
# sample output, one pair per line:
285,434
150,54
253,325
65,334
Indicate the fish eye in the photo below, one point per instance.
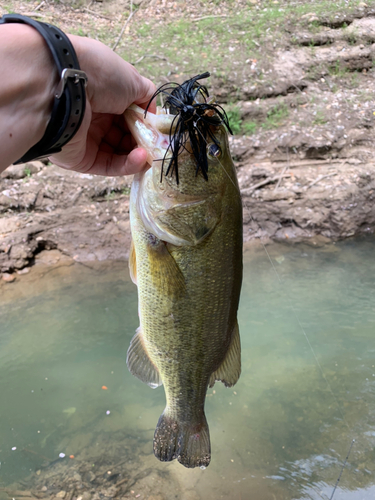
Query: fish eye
213,150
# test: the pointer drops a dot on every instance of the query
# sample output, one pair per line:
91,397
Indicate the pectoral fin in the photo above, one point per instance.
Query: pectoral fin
230,369
133,263
139,363
165,273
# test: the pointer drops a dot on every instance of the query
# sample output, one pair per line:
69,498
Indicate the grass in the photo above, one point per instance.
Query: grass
112,194
319,118
249,128
234,117
276,116
214,43
220,45
193,47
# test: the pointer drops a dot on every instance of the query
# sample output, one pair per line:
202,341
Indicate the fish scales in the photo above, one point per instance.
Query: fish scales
188,272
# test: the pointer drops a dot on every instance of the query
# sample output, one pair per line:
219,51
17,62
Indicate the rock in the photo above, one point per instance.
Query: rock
61,494
6,201
259,172
91,476
86,496
14,172
21,171
8,225
108,493
20,254
278,194
8,278
25,270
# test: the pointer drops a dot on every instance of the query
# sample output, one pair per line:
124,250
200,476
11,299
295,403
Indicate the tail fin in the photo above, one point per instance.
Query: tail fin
188,442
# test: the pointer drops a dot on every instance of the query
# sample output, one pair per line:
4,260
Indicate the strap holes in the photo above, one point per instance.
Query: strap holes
78,97
66,136
70,65
73,125
66,52
58,36
77,112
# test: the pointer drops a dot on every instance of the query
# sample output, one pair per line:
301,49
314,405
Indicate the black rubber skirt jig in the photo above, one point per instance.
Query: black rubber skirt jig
196,116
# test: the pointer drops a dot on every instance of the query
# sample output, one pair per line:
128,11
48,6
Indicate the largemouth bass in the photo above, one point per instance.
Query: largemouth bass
186,259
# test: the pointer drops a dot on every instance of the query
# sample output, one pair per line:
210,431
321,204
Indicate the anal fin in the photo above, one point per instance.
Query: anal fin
139,363
230,369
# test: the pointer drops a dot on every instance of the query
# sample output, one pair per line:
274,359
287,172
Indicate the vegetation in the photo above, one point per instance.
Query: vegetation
276,116
234,117
233,39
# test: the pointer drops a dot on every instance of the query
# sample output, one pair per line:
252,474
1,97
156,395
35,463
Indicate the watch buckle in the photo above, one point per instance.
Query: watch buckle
70,73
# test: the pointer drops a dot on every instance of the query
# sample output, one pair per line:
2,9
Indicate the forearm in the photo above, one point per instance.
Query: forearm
28,80
103,143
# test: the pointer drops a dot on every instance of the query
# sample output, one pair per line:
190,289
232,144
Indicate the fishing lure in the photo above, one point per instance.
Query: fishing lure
195,115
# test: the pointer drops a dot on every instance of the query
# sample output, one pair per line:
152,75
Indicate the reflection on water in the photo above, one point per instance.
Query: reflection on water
307,388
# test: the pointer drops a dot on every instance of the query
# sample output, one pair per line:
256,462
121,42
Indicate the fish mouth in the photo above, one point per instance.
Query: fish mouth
151,131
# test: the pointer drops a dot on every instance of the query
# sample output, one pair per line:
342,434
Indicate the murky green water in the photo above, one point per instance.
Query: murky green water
307,322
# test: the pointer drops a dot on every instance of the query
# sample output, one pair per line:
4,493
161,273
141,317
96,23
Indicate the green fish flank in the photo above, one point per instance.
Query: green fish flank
186,260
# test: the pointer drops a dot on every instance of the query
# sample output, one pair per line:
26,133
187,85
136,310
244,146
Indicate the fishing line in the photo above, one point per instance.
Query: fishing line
321,371
342,469
307,340
311,348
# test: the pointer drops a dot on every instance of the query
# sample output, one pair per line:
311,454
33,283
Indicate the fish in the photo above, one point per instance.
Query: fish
186,260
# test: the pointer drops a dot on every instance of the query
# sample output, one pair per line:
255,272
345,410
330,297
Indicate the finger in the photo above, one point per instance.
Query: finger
114,136
113,84
128,143
106,148
150,105
149,89
115,165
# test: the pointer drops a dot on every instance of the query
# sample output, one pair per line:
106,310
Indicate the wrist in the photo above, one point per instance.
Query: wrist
26,89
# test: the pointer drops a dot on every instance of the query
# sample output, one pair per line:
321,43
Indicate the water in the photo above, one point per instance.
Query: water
307,323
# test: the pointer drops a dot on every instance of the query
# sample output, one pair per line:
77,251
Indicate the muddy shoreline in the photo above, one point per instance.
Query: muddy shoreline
85,218
303,116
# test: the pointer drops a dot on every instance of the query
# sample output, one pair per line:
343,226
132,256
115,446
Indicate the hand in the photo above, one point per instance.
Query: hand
103,144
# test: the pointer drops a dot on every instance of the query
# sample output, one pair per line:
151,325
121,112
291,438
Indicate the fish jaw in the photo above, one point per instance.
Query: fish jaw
151,132
154,196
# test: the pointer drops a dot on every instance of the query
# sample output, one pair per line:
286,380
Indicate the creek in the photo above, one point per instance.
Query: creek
307,389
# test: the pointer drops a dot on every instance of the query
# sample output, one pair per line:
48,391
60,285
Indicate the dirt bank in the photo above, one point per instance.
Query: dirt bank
300,100
86,218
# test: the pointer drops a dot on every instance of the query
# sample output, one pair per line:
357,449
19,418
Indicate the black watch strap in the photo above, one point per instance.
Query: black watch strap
70,98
